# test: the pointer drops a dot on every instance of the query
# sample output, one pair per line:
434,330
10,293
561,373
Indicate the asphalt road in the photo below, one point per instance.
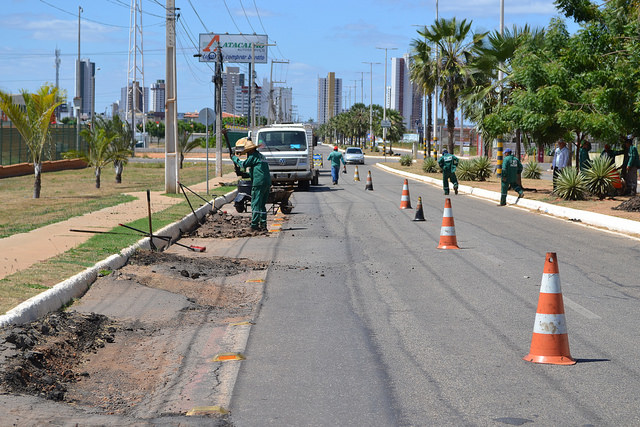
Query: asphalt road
366,323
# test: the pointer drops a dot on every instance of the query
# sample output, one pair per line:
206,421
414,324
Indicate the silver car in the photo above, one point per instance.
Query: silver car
354,155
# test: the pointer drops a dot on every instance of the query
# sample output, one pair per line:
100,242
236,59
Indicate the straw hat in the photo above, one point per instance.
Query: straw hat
248,145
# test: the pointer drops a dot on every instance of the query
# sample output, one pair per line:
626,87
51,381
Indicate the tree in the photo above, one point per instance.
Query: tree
32,122
184,145
422,73
98,142
121,146
456,47
156,129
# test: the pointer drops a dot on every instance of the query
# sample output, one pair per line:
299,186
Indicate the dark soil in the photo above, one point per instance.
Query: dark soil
39,358
631,205
220,224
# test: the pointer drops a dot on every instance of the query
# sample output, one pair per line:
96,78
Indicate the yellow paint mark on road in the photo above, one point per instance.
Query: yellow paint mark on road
206,410
246,322
255,281
224,357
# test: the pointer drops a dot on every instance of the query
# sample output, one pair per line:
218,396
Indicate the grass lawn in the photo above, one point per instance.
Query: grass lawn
70,193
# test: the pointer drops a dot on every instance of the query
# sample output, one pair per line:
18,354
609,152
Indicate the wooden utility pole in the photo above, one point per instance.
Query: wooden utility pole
217,80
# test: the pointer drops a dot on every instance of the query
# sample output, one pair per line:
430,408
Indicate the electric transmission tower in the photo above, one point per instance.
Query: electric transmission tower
135,100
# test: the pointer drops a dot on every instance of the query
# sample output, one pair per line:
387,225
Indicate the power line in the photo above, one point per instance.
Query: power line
198,15
247,16
231,16
84,19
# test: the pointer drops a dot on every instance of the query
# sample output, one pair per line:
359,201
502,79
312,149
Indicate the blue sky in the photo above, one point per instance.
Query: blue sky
315,37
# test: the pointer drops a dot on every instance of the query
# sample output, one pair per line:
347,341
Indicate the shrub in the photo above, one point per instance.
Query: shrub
430,165
570,185
483,168
598,177
406,160
532,170
466,170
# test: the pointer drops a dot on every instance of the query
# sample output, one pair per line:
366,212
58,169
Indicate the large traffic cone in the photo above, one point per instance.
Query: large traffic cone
448,230
550,342
405,200
369,185
356,177
419,212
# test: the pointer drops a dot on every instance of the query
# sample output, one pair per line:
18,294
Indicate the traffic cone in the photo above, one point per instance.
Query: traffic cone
369,185
448,230
550,341
405,200
356,176
419,212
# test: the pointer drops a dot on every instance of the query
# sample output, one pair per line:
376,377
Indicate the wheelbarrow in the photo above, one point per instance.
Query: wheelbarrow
278,198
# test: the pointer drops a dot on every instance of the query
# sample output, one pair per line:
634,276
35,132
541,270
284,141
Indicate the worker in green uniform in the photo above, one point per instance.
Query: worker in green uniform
511,170
260,182
448,163
335,157
585,161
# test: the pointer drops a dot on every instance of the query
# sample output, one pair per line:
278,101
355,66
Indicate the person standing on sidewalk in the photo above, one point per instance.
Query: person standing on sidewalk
560,160
511,170
585,161
631,177
336,157
448,163
260,182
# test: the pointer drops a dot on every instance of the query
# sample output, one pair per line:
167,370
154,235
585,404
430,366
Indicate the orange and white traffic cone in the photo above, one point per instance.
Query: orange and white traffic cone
356,176
448,230
550,341
369,185
405,200
419,212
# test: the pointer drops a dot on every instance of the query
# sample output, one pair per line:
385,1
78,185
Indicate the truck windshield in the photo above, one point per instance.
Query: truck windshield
284,140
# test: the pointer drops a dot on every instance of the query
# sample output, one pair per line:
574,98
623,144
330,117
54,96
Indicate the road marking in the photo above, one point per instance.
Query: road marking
206,410
580,309
224,357
254,281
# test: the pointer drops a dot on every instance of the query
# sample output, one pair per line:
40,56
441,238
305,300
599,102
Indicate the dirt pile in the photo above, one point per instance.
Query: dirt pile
631,205
221,224
39,358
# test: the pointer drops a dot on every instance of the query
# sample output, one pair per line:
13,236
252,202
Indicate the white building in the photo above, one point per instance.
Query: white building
405,96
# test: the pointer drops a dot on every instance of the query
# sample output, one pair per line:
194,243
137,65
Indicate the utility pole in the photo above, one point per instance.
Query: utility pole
384,107
217,80
171,116
435,98
271,82
77,101
499,145
252,94
371,100
355,91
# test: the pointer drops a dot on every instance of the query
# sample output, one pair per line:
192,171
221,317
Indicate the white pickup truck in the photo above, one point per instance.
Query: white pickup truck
288,149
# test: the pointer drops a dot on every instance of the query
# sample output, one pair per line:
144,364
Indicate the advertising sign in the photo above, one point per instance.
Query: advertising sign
235,47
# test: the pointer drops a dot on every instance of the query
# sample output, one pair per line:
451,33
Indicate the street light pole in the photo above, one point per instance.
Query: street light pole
78,100
384,107
499,142
371,100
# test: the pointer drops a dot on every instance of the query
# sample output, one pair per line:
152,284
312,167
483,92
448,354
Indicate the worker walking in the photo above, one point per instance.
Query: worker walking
260,182
336,157
631,177
448,163
511,170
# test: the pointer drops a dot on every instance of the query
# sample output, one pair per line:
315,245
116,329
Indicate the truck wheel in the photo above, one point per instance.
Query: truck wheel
315,179
303,185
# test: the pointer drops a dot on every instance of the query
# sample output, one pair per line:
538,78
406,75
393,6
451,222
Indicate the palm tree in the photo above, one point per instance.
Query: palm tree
99,143
456,51
422,73
121,146
32,122
185,145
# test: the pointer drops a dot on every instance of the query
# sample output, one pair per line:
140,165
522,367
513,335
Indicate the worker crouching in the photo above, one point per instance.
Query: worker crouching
260,181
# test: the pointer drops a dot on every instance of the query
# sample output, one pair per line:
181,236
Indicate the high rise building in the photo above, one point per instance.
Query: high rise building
278,109
329,97
231,78
241,100
87,83
158,96
405,95
126,99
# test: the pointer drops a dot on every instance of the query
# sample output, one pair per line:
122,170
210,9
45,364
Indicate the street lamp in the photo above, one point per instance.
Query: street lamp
384,107
371,99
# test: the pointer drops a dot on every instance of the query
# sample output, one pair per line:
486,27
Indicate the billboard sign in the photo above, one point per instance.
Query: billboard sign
235,47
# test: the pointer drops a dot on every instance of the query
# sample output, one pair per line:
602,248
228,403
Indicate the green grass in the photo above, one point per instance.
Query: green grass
70,193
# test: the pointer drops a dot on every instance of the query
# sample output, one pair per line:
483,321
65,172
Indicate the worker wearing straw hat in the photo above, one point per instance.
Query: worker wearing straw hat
260,181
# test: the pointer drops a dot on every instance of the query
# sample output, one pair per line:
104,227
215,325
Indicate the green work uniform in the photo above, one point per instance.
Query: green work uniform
335,157
260,186
585,162
448,163
511,170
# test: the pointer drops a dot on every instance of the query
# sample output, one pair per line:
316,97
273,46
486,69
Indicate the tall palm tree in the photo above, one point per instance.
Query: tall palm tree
98,143
422,73
33,122
121,148
456,47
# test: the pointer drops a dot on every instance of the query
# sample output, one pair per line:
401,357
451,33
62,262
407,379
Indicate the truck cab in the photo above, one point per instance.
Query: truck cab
288,149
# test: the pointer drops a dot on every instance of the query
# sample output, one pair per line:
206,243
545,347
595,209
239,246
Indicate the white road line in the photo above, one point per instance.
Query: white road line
580,309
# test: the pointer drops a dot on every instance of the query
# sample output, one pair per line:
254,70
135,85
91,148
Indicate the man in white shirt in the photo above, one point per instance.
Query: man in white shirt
560,160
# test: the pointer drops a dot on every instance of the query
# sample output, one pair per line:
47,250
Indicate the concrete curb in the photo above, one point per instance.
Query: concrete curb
608,222
74,287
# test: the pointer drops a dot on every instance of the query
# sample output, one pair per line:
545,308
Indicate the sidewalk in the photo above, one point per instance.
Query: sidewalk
20,251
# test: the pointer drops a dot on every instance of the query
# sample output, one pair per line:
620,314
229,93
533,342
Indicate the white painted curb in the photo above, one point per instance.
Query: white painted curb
608,222
74,287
